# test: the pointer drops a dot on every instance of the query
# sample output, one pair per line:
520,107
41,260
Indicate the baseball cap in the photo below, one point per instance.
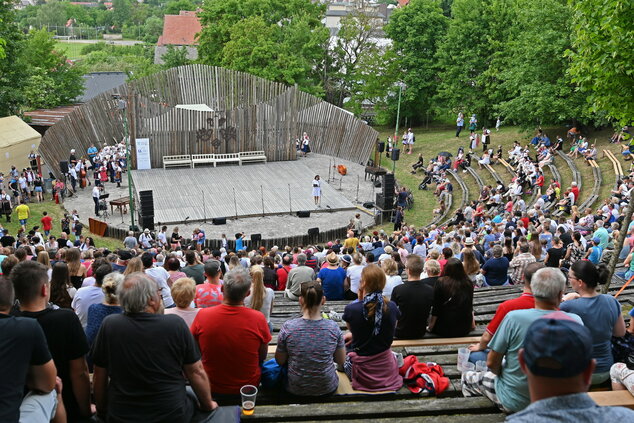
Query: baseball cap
346,258
596,240
557,346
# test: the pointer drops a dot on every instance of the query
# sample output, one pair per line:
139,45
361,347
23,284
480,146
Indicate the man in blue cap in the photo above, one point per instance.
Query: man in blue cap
557,360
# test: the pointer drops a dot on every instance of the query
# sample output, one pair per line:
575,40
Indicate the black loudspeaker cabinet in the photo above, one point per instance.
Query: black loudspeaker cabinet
380,146
313,232
147,222
256,238
303,213
380,201
63,167
388,185
146,202
396,154
219,220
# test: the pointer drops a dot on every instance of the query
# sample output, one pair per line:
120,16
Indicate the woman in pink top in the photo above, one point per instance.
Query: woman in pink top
174,269
183,292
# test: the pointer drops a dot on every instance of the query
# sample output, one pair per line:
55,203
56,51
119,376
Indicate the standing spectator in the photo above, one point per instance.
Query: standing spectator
210,293
183,293
130,242
64,335
25,364
24,212
232,338
134,381
160,276
76,270
452,311
47,223
459,124
110,305
600,313
60,285
297,276
473,124
145,239
309,345
332,278
371,366
557,361
414,300
555,254
89,295
96,192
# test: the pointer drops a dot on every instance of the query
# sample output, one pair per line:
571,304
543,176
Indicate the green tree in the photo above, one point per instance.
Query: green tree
175,6
52,80
11,74
416,31
280,40
602,55
121,10
175,56
152,29
52,13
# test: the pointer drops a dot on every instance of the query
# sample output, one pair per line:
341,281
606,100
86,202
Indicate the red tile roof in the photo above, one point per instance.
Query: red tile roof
180,29
49,117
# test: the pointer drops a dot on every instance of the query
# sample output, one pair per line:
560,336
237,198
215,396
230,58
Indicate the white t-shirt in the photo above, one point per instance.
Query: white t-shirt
354,273
161,276
392,281
84,298
420,250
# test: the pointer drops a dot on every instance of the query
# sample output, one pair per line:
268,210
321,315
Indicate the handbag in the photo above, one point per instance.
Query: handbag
272,374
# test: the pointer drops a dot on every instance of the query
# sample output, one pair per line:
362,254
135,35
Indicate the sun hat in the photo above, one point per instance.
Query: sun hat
333,258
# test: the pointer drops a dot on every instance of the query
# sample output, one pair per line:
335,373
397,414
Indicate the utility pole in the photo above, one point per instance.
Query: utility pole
126,110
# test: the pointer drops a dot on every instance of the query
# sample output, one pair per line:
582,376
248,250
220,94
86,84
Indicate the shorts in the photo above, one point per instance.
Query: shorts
23,222
619,373
38,189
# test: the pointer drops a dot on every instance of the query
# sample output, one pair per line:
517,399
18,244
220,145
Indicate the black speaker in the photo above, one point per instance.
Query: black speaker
256,238
63,167
303,213
146,203
219,220
396,154
147,222
368,205
380,146
388,185
380,201
313,232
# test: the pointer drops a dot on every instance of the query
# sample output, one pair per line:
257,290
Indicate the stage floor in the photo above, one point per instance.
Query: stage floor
206,192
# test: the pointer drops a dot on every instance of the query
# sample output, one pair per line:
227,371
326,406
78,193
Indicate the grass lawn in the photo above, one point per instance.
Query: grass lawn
432,141
71,50
57,213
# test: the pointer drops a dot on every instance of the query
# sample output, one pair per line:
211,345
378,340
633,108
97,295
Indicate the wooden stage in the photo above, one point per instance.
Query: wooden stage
207,192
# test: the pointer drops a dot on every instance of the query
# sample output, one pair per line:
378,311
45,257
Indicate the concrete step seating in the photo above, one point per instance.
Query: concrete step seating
465,196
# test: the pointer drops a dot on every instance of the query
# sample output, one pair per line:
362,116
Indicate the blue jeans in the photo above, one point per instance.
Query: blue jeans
478,356
625,275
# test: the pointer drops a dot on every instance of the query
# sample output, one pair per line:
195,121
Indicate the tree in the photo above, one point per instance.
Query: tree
175,6
602,54
121,10
416,31
152,29
11,75
275,39
175,56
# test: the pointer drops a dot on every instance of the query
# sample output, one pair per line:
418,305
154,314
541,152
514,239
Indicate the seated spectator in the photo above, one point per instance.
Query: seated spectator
470,264
140,358
233,339
209,294
393,278
183,293
371,365
452,311
431,269
297,276
89,295
173,267
594,252
283,272
25,365
353,276
308,345
525,301
414,300
557,361
64,335
270,275
504,383
600,313
194,268
110,305
332,278
261,297
520,262
495,270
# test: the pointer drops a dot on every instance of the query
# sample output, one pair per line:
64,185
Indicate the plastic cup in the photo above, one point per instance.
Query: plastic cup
481,366
468,367
248,394
463,357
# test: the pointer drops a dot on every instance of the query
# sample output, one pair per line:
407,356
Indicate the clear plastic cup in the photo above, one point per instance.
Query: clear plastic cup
481,366
248,394
468,367
463,357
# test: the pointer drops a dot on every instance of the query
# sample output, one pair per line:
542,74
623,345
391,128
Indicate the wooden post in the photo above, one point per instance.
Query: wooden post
620,242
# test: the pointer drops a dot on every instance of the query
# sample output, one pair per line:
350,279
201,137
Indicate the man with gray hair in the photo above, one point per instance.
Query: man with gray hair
297,276
140,357
232,338
504,383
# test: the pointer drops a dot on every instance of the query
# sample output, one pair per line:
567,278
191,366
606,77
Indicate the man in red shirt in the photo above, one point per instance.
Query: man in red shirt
282,272
575,190
233,339
47,223
525,301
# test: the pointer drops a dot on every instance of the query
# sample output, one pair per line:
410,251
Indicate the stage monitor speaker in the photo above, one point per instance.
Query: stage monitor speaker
396,154
147,222
219,220
303,213
256,239
63,167
380,146
313,232
368,205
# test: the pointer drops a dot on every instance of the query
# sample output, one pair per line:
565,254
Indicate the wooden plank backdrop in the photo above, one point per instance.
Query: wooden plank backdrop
249,113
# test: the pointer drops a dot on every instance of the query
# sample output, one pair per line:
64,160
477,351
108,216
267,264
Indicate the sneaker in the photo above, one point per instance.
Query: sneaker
334,316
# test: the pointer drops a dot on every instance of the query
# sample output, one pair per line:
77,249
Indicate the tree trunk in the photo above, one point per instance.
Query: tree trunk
619,245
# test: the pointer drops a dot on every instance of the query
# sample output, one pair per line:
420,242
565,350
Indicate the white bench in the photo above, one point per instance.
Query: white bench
226,158
202,159
181,160
252,156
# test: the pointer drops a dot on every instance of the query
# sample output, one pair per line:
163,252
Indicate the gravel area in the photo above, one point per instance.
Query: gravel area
269,226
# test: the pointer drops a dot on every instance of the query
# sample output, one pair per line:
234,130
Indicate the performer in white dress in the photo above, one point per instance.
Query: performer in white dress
317,190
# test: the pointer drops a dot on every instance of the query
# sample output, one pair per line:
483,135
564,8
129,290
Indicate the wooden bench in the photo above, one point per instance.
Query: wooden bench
226,158
181,160
203,159
252,156
613,398
506,165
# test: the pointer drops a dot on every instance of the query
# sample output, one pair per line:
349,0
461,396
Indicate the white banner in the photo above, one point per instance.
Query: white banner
143,154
